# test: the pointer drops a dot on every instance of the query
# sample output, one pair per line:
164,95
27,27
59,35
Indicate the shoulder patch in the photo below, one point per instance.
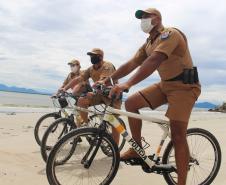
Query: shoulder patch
165,35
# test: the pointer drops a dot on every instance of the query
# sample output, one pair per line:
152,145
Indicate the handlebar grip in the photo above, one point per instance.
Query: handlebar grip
126,90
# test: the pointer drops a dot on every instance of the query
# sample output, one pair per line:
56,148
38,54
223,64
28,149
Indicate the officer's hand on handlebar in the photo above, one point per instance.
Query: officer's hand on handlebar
54,96
106,81
99,82
61,90
118,89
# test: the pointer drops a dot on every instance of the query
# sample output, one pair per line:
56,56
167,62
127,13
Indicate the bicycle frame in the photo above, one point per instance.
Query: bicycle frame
110,118
164,125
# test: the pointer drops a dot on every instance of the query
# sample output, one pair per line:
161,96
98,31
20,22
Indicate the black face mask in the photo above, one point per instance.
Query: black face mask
95,59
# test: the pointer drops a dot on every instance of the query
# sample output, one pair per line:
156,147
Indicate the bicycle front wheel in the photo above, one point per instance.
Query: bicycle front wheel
88,164
205,158
55,132
43,123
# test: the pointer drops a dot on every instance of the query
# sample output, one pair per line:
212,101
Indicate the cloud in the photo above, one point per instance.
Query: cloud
39,37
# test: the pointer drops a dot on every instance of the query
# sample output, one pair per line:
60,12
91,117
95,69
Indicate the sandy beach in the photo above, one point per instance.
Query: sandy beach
21,162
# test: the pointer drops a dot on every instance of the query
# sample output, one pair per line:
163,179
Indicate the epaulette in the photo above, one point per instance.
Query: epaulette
165,34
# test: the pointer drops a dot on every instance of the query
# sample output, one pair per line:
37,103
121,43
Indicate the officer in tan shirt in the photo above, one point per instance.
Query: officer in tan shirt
99,70
75,72
166,50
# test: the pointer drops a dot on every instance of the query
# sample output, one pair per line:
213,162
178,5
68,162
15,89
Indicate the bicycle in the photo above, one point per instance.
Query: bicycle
62,126
88,164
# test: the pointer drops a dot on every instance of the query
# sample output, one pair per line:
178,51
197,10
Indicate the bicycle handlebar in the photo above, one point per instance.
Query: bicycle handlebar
97,89
104,90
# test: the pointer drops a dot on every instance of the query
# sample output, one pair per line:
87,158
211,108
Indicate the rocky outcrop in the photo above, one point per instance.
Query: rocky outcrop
220,108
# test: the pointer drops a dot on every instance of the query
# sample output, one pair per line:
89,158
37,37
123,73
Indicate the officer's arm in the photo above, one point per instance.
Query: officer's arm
132,64
73,82
147,68
65,82
124,70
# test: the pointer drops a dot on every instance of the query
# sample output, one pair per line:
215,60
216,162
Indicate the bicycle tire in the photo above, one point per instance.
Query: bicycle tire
40,121
209,138
82,132
67,125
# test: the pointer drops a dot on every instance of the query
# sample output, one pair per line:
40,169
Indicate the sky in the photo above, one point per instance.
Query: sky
39,37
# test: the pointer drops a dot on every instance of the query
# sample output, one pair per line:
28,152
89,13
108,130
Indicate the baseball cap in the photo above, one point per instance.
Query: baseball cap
140,13
74,62
96,51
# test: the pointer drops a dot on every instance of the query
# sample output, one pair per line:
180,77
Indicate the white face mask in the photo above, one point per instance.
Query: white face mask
146,25
74,69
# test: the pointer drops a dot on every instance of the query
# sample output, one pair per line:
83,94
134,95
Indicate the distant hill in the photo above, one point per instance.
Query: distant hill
19,89
206,105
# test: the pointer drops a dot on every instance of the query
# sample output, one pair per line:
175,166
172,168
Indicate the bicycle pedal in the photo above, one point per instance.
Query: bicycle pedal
133,161
163,168
151,157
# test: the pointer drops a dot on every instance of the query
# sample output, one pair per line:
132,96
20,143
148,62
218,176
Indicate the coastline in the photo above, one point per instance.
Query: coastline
38,93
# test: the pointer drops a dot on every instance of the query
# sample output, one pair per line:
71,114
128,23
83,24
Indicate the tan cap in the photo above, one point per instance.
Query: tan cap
74,62
140,13
96,51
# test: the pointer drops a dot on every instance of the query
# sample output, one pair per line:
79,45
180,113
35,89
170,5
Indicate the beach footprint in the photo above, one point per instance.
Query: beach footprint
6,133
30,127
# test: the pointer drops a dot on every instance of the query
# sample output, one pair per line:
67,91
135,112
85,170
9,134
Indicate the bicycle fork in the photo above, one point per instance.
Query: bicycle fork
93,149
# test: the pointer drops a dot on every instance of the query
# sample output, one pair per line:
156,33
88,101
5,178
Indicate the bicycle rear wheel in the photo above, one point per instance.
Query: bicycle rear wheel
54,133
205,158
43,123
102,169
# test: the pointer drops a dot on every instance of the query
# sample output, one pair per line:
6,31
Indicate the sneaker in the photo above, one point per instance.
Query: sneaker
129,154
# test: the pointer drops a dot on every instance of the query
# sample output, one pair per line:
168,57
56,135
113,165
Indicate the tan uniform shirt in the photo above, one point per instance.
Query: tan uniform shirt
172,43
104,71
71,76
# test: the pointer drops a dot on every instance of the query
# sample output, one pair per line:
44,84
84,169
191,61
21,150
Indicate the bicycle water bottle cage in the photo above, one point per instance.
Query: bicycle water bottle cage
63,102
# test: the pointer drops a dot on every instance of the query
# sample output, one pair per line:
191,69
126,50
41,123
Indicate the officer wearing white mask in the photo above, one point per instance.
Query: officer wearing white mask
75,72
166,51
